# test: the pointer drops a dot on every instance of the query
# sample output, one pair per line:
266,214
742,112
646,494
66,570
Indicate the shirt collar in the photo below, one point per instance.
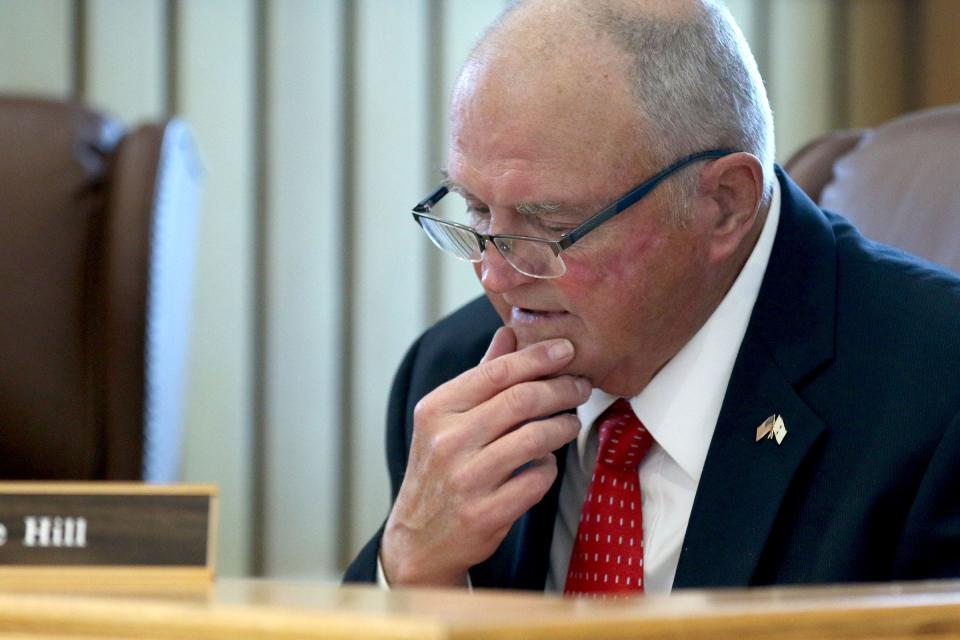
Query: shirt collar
681,404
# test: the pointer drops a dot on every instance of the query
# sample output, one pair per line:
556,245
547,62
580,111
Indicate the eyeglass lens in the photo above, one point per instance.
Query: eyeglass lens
529,257
456,241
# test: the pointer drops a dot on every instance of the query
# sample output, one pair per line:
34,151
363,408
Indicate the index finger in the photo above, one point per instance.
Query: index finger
504,341
492,376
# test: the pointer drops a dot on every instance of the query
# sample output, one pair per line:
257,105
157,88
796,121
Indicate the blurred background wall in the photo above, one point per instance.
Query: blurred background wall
320,122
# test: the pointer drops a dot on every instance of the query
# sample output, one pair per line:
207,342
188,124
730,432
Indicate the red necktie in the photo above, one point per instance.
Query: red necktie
608,551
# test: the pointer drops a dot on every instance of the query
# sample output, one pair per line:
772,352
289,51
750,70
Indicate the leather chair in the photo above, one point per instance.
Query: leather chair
899,183
97,240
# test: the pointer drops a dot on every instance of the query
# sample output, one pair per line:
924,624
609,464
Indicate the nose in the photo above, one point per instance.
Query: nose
496,274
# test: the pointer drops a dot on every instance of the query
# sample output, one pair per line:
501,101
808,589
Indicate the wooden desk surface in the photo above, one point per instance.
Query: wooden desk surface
239,609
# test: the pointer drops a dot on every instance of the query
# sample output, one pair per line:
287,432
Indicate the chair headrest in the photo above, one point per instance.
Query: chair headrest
901,184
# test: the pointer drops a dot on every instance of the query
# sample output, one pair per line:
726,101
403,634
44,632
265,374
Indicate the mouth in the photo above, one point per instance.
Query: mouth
523,315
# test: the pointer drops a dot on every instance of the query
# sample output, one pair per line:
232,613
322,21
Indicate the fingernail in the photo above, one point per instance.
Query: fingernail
584,386
560,350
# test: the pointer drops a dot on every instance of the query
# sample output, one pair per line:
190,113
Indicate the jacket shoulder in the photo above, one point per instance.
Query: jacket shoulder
902,292
896,344
453,345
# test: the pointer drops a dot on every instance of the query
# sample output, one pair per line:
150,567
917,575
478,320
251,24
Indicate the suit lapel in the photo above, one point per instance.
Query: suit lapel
789,337
744,481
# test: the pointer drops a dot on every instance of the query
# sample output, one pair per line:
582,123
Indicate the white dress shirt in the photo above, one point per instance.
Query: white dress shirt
679,407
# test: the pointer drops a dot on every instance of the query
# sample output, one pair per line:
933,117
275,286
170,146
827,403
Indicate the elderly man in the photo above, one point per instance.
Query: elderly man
683,372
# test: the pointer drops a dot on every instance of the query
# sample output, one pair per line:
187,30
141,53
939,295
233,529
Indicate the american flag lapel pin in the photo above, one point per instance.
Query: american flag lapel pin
773,428
779,430
765,430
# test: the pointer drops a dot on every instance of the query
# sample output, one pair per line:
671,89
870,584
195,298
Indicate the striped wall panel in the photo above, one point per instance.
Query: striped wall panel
215,91
304,230
38,40
123,58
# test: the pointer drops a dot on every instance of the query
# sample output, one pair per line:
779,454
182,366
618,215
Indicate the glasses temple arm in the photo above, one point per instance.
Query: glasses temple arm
425,205
634,196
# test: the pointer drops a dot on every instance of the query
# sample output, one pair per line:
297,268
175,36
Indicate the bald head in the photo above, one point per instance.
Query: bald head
679,71
546,22
528,75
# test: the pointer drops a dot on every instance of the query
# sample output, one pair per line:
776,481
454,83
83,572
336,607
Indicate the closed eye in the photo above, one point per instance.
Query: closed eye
552,228
479,216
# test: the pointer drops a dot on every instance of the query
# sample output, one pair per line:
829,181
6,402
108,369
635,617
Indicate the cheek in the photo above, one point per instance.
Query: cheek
581,276
598,293
610,270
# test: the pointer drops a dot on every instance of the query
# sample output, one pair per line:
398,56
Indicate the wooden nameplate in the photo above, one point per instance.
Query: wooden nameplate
106,534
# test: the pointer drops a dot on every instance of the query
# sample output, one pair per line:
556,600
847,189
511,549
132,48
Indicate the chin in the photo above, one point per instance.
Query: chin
527,337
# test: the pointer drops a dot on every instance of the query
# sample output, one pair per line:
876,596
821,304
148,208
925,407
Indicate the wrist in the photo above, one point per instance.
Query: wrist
405,564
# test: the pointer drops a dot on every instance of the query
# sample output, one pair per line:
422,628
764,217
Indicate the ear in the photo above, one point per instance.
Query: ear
733,187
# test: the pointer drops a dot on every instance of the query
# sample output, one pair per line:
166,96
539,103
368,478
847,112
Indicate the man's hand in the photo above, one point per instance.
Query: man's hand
462,492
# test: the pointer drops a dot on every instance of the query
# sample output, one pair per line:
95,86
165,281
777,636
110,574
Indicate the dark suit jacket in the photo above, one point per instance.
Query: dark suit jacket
857,346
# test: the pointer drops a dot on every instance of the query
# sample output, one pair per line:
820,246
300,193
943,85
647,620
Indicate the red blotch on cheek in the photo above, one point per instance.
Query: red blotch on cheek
611,265
583,272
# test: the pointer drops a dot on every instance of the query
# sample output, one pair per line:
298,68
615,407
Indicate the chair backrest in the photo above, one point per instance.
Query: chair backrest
97,237
899,182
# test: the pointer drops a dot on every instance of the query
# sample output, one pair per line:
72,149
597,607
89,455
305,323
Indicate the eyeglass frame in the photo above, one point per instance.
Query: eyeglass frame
624,202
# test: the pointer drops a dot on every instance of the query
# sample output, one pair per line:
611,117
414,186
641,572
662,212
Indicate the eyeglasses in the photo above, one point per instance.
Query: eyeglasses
535,257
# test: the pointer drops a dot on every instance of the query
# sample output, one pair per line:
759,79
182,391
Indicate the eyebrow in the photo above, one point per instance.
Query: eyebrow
454,186
540,208
543,208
